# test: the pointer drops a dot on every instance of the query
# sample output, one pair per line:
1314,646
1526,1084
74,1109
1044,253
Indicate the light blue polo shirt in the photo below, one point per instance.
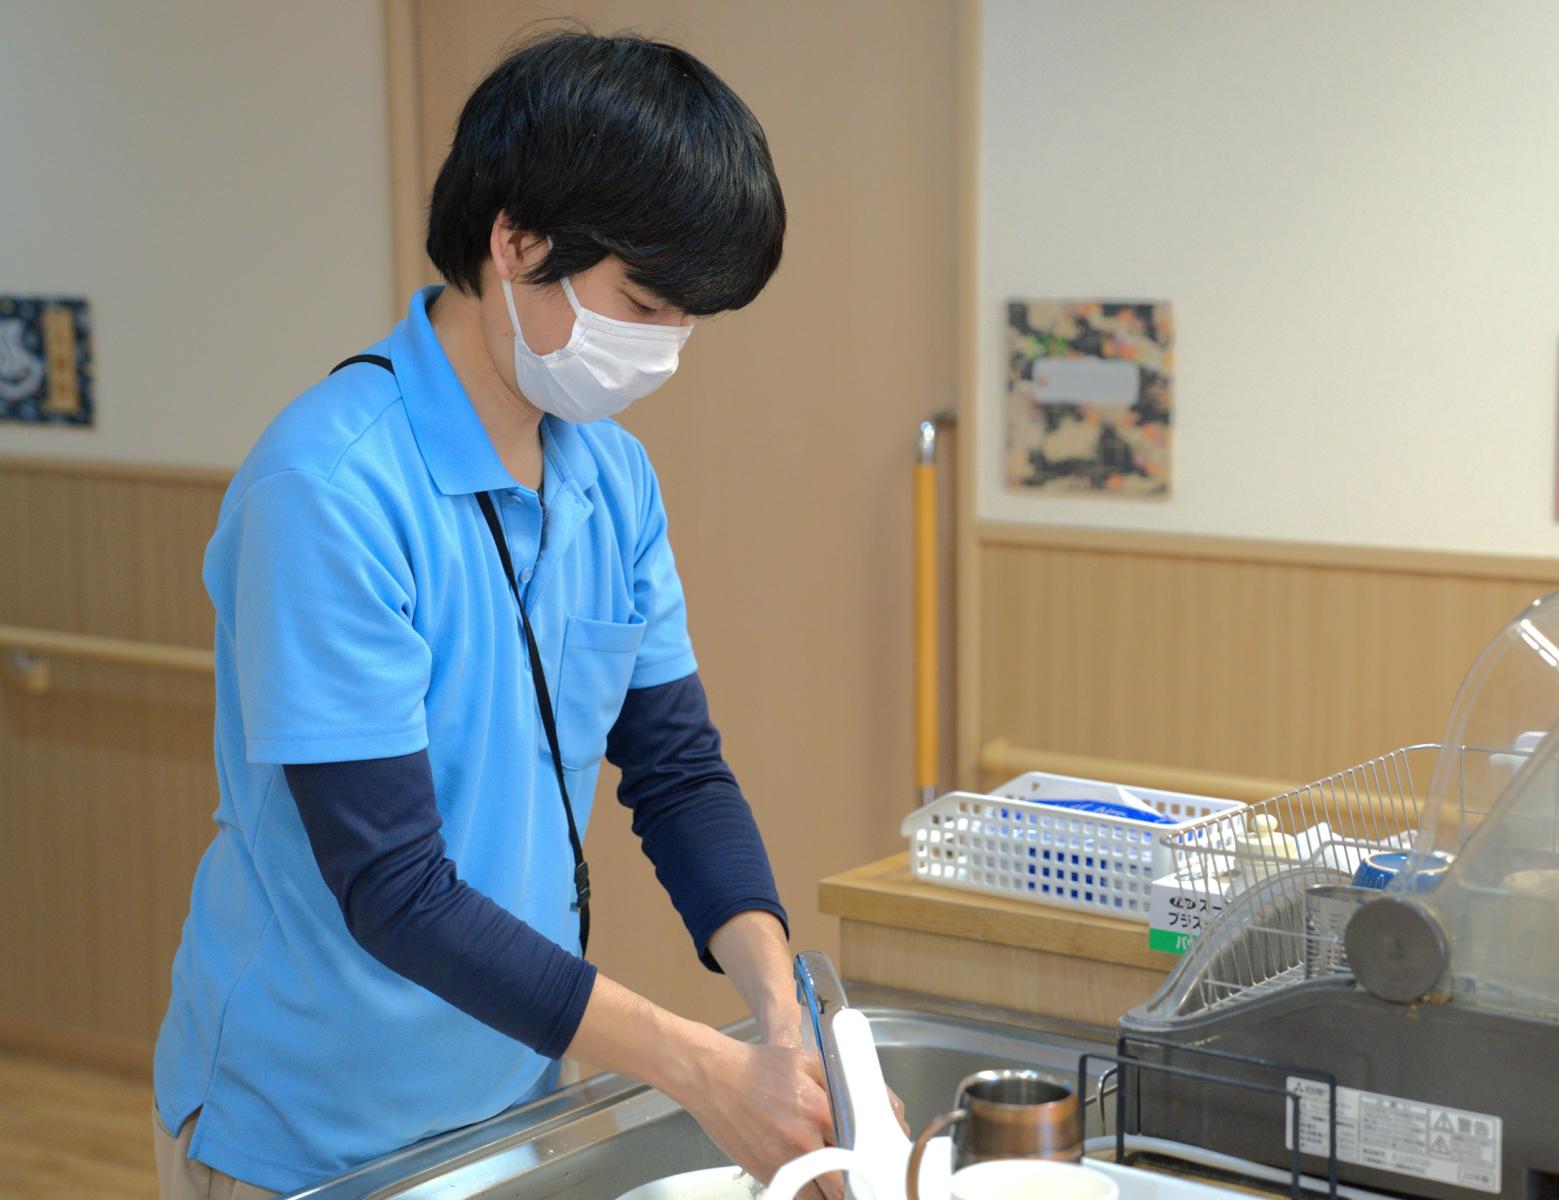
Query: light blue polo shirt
362,612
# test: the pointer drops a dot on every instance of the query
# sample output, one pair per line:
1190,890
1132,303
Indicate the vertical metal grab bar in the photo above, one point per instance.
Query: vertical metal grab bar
927,643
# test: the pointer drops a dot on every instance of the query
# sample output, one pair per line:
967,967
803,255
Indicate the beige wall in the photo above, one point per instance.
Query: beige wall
1351,204
213,176
1352,215
785,443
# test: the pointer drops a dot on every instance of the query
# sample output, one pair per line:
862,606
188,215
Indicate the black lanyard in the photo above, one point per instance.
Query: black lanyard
548,720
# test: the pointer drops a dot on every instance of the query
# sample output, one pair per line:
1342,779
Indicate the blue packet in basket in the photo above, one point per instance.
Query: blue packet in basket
1104,808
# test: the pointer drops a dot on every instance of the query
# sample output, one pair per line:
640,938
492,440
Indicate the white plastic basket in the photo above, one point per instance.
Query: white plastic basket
1007,845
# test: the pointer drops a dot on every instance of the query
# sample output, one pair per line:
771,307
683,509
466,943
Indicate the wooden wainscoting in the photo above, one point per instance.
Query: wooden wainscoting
106,779
1275,660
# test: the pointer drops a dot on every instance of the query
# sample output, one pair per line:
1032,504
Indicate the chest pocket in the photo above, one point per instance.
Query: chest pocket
598,658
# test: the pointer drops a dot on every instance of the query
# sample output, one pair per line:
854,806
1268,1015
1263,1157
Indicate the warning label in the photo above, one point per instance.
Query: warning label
1409,1137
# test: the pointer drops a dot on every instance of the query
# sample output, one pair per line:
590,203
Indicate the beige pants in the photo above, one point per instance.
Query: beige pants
180,1177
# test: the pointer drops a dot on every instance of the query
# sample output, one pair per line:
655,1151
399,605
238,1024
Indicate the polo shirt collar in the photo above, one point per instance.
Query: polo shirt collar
567,453
453,441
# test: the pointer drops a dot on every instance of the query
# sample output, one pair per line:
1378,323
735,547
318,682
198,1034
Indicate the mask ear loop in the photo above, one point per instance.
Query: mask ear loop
568,290
514,316
573,300
576,334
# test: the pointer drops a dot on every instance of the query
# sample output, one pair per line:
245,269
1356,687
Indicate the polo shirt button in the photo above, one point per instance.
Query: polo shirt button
525,575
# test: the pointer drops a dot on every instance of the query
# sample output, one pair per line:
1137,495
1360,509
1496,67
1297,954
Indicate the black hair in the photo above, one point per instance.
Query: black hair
613,145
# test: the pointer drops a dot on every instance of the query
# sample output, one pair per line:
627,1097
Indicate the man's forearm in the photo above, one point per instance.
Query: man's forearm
374,827
752,950
622,1031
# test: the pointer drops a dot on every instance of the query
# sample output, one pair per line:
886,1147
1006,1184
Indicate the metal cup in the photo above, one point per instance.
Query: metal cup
1328,909
1005,1114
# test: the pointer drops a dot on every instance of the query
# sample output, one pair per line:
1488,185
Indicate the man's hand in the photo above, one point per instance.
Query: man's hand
785,1030
752,950
762,1105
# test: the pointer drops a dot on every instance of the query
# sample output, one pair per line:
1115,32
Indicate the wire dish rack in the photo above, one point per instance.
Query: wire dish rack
1011,843
1284,869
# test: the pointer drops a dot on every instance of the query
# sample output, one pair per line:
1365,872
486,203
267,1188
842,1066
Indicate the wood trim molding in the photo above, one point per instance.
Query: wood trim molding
966,547
405,105
1388,559
90,468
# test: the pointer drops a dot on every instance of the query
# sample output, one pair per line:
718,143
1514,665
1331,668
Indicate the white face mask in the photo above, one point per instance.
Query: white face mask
605,366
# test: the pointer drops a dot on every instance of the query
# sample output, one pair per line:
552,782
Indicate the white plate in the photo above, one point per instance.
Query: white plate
715,1183
730,1183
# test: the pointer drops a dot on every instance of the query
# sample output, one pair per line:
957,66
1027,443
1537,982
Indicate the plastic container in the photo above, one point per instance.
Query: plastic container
1008,843
1379,869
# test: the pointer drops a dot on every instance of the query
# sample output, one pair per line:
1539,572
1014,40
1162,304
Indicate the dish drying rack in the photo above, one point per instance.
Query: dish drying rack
1433,1002
1273,931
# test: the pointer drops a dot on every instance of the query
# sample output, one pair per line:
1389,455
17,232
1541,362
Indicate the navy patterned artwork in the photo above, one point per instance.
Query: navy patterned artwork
45,360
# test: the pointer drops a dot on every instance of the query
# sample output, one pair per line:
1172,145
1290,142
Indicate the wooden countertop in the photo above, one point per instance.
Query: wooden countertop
886,893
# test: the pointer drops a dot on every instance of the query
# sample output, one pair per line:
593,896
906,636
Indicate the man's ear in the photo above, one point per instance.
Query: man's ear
514,251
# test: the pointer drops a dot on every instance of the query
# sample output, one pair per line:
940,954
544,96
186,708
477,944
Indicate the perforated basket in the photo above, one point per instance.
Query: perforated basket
1006,844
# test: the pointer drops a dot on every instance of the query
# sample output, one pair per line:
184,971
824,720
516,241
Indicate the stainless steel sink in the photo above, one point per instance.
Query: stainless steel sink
605,1135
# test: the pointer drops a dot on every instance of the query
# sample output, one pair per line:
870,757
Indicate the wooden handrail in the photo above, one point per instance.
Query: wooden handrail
106,649
1000,759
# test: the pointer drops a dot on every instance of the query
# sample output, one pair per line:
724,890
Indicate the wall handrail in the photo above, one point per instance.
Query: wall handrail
1001,759
106,649
927,618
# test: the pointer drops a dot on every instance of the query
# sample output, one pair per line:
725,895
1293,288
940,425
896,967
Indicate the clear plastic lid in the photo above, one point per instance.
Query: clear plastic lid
1493,813
1483,860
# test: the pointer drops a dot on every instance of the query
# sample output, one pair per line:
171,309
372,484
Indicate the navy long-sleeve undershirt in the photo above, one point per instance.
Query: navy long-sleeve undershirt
374,829
688,812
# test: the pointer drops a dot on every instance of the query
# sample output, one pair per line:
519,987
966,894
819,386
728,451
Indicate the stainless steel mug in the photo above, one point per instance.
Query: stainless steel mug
1328,909
1005,1114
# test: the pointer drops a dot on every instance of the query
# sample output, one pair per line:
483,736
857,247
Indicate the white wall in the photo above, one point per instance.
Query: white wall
213,176
1354,207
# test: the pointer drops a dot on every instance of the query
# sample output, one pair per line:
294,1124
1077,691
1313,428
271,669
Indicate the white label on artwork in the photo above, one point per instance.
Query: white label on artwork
1408,1137
1085,381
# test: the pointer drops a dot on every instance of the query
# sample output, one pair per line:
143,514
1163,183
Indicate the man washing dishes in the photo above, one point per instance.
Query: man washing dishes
444,591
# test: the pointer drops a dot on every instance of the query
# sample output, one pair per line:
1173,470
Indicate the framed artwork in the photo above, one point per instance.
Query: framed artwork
1090,397
45,360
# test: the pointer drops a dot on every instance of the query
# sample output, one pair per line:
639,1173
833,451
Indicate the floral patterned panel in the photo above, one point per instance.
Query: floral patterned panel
1089,397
